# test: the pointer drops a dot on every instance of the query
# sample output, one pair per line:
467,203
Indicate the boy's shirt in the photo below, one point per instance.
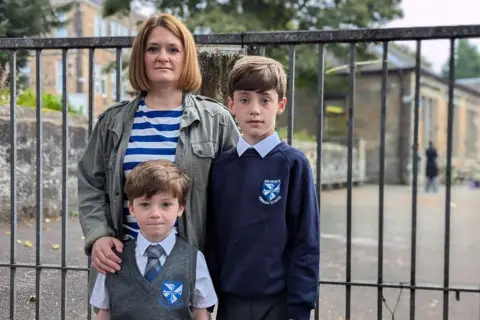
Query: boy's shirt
204,295
263,147
264,224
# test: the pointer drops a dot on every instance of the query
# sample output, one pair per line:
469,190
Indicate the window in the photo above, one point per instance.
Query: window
472,132
59,83
103,28
113,82
113,29
61,32
96,26
98,71
428,110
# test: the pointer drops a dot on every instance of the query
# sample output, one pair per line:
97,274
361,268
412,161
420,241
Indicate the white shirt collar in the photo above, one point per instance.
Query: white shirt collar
167,243
263,147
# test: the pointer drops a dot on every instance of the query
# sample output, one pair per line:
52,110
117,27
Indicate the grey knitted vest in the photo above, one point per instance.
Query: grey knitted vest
167,297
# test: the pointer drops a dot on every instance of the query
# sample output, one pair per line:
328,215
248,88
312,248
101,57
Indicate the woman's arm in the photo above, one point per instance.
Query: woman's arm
94,208
230,133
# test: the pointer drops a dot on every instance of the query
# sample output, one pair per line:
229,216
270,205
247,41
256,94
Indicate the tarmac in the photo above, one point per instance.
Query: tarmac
464,257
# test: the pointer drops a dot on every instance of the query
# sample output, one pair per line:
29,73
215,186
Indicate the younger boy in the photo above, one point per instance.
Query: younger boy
263,247
162,277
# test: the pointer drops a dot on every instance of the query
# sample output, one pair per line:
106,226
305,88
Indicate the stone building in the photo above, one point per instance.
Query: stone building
433,113
85,20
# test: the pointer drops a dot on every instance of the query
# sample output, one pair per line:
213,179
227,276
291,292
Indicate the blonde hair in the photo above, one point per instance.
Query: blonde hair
190,79
259,74
157,176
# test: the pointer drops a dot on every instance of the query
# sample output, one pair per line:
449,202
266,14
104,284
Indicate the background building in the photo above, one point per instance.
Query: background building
85,20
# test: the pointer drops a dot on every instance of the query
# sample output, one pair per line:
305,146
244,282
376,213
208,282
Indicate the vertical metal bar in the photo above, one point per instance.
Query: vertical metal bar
91,90
118,74
13,181
261,50
39,213
64,181
381,178
351,106
320,115
413,251
451,106
91,95
291,93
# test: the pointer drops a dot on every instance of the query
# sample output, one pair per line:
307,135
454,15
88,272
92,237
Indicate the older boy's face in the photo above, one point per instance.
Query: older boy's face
156,216
256,113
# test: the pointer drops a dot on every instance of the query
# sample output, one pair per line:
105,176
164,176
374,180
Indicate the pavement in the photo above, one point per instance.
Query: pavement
464,257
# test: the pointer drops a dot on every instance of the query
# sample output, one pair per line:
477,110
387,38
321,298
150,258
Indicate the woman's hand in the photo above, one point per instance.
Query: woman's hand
104,259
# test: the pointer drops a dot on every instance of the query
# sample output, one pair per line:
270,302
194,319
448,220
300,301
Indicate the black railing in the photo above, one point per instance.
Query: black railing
261,40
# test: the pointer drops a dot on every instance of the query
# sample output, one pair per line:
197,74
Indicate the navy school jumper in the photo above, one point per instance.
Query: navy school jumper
263,221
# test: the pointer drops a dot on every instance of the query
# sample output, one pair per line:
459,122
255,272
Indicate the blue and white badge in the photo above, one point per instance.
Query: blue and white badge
270,192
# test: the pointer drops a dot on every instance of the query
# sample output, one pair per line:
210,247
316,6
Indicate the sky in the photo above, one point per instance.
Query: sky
424,13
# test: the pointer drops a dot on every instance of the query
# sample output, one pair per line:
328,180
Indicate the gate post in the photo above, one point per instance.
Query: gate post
215,65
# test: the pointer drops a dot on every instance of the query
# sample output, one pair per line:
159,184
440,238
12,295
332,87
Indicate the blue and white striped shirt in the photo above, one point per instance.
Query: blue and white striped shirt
154,136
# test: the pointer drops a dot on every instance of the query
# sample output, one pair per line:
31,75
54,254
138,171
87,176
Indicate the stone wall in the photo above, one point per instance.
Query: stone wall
52,161
334,164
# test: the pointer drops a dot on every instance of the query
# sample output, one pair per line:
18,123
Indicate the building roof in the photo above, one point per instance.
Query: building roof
399,60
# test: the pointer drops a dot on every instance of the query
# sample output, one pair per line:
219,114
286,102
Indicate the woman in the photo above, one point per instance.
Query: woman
166,121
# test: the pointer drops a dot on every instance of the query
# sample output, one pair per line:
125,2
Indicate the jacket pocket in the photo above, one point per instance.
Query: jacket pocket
203,154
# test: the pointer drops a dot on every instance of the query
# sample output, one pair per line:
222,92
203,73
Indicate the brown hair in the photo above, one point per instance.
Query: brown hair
259,74
157,176
190,79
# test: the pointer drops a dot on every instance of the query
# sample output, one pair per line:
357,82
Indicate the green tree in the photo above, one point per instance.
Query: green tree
467,60
266,15
27,18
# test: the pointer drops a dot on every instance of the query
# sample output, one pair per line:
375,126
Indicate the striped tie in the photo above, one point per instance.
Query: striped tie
154,252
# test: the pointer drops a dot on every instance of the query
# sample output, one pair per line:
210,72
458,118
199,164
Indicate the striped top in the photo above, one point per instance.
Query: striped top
154,136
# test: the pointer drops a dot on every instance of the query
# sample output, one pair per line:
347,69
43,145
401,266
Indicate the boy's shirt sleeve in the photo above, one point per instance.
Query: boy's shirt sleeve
304,241
204,295
100,298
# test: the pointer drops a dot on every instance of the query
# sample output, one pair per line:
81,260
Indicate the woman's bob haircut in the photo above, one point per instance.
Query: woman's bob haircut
190,79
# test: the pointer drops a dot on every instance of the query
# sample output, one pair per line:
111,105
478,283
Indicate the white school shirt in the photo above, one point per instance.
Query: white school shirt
204,295
263,147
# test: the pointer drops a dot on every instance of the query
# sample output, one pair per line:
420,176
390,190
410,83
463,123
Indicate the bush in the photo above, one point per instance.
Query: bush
28,98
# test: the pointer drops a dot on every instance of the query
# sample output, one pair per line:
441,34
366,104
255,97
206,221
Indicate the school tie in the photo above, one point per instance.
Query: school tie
154,252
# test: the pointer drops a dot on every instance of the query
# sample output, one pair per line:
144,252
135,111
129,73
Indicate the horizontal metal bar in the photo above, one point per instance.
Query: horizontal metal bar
42,266
330,36
66,43
265,37
400,286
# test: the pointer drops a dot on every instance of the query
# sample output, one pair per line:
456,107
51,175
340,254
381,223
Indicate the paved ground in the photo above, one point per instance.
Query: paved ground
465,257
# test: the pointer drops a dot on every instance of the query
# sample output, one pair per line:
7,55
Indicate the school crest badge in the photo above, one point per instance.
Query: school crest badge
270,191
172,291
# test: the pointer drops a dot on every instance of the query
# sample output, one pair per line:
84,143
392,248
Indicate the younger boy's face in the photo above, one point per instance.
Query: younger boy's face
256,113
156,216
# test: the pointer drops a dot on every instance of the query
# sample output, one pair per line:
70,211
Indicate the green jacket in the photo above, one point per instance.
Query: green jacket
206,129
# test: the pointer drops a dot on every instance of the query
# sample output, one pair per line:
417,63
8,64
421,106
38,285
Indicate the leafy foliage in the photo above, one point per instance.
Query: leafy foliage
28,98
41,18
267,15
467,61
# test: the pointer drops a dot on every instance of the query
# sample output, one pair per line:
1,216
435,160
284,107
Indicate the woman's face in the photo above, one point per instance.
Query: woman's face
164,57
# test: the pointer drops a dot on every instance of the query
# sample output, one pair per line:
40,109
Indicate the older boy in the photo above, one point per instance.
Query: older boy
162,276
263,251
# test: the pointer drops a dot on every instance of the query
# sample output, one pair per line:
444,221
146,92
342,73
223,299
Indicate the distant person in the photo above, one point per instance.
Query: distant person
162,276
431,169
263,248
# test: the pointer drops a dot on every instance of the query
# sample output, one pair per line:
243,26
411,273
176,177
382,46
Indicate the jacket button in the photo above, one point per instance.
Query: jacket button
117,193
200,152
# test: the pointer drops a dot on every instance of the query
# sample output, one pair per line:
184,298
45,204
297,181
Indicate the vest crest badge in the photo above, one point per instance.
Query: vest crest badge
172,292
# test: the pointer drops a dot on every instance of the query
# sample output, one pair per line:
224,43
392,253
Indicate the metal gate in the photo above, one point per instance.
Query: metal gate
260,40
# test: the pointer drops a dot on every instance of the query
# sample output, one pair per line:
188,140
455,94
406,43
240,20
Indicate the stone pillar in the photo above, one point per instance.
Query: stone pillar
215,65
